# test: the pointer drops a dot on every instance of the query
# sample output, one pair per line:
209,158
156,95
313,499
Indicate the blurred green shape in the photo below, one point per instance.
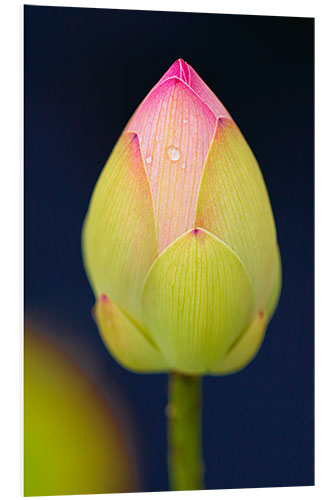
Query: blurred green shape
72,442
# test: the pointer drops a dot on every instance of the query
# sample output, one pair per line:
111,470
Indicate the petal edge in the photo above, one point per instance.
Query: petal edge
119,241
196,299
245,348
274,297
233,204
128,345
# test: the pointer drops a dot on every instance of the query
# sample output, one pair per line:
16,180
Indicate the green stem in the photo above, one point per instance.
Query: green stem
184,433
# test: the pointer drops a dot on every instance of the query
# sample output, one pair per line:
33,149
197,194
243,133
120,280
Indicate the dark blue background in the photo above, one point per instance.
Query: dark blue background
86,70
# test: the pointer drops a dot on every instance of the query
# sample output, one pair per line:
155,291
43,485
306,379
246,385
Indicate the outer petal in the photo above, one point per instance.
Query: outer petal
276,288
233,204
176,129
196,301
127,343
245,348
119,237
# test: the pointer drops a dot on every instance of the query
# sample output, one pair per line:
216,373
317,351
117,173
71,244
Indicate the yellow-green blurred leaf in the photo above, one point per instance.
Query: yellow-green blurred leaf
73,444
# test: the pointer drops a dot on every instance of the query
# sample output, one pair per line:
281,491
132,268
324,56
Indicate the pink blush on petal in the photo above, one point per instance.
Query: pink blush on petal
185,72
176,128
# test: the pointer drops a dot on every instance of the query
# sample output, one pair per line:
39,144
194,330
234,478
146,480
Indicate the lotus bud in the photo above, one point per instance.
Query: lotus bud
179,242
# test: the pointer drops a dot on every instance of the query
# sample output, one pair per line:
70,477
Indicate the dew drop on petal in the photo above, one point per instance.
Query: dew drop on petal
140,138
173,153
148,159
185,121
183,166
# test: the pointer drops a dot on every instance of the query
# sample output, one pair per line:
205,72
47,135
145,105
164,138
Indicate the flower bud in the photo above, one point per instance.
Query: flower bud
179,241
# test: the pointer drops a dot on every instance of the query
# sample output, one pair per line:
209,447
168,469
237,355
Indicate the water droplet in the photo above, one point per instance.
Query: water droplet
173,153
185,121
148,159
140,138
183,166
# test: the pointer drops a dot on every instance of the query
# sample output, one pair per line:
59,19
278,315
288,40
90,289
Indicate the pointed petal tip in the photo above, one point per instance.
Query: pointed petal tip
180,60
224,121
183,71
179,69
245,348
176,66
127,343
131,137
199,234
103,298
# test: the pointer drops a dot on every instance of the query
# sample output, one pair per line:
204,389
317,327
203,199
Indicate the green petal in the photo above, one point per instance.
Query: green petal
196,300
119,236
273,300
128,344
245,348
233,204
